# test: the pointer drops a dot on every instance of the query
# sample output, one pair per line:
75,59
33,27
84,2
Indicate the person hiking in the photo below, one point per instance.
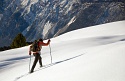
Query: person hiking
36,52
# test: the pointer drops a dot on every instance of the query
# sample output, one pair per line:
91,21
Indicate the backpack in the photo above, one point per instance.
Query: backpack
34,46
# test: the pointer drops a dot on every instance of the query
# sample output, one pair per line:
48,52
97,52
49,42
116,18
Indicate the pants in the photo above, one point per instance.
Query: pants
37,57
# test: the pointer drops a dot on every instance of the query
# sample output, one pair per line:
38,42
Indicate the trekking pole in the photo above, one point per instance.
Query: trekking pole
50,53
29,63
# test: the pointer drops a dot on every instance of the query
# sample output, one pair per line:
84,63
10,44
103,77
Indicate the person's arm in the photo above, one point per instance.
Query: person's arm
45,44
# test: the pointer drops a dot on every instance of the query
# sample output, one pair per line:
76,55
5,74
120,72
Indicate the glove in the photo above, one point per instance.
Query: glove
29,53
49,40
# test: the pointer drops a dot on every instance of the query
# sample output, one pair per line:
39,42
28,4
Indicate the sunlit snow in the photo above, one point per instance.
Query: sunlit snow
95,53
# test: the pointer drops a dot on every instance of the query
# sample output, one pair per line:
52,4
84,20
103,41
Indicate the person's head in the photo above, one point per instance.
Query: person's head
41,40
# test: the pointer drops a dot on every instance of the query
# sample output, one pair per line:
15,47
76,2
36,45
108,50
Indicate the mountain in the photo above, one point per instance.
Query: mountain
49,18
95,53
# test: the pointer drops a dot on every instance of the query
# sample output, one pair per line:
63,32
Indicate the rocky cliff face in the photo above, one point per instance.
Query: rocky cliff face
48,18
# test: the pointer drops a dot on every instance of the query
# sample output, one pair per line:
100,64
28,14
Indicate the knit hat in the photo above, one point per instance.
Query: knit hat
41,40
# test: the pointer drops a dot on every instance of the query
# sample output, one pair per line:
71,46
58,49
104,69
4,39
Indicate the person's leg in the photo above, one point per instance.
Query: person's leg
35,62
40,61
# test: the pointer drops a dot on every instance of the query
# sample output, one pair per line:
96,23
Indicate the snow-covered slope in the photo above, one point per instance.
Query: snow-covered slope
90,54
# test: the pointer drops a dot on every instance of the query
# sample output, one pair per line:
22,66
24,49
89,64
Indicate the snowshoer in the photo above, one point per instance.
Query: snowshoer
35,49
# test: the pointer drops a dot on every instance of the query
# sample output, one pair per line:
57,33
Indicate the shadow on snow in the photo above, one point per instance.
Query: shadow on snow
49,65
11,61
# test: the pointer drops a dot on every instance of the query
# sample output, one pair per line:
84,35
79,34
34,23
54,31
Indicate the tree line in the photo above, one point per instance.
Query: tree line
18,41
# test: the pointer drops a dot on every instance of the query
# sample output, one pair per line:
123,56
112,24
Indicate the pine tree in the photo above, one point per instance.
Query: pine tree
19,41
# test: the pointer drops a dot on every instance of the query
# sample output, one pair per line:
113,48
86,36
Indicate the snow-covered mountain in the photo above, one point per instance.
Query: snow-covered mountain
96,53
48,18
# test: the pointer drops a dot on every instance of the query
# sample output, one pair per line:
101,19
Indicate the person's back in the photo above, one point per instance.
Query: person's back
34,46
